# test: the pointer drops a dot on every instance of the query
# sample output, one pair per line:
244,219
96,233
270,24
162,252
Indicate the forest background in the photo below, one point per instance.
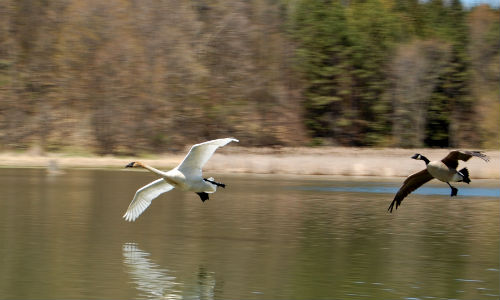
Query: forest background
126,77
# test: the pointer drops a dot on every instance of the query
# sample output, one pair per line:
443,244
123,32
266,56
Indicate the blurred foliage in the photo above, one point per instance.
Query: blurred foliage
129,76
380,71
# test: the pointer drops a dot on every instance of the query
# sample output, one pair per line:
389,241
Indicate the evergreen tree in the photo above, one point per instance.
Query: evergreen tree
450,109
321,31
343,53
373,31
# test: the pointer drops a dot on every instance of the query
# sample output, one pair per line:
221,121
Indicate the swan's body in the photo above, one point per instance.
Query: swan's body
186,176
444,170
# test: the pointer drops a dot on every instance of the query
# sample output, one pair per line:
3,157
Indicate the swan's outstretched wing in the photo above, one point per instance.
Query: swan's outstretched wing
199,154
413,182
144,196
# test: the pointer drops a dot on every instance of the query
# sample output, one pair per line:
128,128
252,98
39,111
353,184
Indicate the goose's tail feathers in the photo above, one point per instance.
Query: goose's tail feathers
465,175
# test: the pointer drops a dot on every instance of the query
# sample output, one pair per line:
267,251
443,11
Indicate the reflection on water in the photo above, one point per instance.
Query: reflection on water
155,282
149,277
263,237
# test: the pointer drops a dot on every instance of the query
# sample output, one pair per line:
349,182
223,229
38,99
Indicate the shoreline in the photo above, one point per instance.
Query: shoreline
336,161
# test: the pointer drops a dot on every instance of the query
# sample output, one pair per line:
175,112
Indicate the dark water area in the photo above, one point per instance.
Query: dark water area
263,237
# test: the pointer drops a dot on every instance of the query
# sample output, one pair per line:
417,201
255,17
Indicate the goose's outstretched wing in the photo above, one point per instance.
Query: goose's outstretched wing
411,183
451,160
144,196
199,154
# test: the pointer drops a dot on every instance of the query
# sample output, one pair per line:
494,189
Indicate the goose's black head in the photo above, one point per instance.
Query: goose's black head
130,165
421,157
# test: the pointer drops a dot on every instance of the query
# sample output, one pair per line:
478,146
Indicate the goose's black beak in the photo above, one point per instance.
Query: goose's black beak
130,165
416,156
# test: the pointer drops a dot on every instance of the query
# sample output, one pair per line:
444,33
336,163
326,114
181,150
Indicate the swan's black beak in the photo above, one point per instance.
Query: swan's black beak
130,165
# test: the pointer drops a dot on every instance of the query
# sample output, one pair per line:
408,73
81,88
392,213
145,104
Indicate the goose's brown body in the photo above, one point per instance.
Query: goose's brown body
444,170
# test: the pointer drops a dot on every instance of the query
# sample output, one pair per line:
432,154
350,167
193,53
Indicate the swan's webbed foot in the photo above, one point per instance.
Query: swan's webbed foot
454,190
222,185
203,196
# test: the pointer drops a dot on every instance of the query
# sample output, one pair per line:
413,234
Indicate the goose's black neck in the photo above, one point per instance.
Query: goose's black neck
424,159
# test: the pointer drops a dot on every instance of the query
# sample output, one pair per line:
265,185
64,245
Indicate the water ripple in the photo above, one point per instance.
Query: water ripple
468,280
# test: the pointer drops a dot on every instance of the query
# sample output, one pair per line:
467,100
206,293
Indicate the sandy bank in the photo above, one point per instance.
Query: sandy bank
306,161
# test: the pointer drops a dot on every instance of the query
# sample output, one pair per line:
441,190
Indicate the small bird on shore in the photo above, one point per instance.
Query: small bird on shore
444,170
186,176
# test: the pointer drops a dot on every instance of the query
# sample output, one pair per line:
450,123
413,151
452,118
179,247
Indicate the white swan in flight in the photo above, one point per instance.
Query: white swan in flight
186,176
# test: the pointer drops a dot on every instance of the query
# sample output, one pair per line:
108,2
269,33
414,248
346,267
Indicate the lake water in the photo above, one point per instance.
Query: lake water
263,237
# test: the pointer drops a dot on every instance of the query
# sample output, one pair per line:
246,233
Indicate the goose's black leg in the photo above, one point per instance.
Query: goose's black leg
222,185
454,190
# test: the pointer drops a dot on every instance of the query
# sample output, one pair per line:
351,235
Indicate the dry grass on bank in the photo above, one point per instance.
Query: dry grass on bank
302,161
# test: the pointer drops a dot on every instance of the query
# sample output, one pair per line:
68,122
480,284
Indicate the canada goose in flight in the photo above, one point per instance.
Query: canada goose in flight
444,170
186,176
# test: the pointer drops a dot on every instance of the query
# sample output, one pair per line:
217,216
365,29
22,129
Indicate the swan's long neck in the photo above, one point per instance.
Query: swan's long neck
156,171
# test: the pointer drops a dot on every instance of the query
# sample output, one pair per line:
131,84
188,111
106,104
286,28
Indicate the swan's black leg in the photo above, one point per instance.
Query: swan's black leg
454,190
222,185
203,196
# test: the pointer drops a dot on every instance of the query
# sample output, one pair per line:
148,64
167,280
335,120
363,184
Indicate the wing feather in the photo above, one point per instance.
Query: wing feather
411,183
144,196
451,160
199,154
